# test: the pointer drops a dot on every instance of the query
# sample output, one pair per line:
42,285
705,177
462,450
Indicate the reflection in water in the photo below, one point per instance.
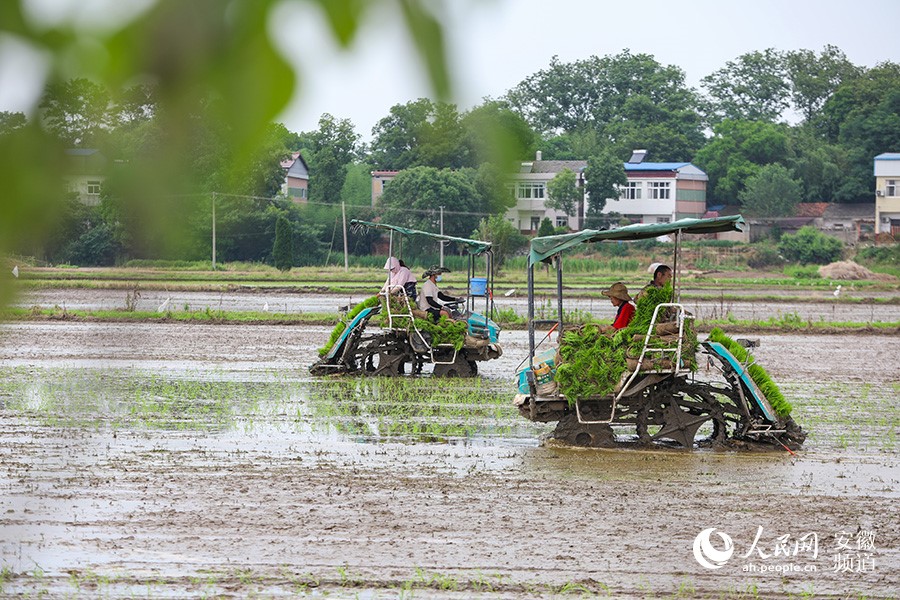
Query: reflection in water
407,410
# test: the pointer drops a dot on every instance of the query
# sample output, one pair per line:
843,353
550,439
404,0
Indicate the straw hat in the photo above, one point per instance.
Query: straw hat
617,290
435,270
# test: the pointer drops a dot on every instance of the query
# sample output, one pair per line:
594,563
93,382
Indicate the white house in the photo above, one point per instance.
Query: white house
85,174
529,186
887,193
660,192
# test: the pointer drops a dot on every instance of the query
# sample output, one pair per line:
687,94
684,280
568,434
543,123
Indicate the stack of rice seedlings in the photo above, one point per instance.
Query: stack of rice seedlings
445,331
759,375
592,362
342,324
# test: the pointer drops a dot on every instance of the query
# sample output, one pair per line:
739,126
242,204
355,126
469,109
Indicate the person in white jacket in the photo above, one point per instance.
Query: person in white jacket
432,299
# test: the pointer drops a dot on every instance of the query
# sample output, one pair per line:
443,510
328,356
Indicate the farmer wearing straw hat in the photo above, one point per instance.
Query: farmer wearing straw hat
618,295
432,300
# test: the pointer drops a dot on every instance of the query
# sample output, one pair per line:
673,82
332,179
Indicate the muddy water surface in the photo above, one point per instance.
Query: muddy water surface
816,305
167,459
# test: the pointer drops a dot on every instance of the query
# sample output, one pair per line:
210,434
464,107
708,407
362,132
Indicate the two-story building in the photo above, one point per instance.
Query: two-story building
85,174
659,192
887,193
380,179
296,178
529,186
653,193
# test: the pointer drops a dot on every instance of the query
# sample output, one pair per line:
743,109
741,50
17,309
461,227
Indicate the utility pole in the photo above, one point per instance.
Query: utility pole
442,233
344,215
213,231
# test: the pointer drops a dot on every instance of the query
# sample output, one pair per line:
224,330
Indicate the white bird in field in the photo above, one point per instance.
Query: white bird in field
164,305
15,271
266,307
837,291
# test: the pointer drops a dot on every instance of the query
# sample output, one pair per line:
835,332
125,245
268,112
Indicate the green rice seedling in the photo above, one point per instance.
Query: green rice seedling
592,360
759,375
342,324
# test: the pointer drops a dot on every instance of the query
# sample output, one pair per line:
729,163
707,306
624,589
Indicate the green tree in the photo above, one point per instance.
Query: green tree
10,121
421,133
495,134
771,192
603,176
573,145
809,245
281,250
333,147
857,98
674,133
546,227
77,112
491,183
813,79
357,190
563,193
505,239
753,87
396,138
737,150
193,51
443,140
415,196
821,167
590,93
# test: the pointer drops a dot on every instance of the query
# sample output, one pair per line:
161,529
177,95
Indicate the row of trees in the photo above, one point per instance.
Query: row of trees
597,109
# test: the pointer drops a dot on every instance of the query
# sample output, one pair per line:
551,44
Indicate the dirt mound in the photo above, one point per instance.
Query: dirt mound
849,270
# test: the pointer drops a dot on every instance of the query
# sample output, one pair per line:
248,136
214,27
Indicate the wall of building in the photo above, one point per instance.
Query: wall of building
887,196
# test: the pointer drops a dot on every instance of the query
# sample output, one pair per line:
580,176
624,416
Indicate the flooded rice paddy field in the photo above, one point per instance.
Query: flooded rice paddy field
816,305
173,460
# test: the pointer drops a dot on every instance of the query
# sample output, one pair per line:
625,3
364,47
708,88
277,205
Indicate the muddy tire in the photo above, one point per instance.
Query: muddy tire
572,433
459,368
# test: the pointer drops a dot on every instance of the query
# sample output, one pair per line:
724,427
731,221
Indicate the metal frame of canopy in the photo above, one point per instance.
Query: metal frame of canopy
475,248
549,248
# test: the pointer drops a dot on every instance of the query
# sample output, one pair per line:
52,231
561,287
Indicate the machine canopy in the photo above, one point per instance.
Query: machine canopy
542,248
475,247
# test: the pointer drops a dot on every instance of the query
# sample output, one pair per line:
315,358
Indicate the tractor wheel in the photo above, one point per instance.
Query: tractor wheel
572,433
458,368
678,414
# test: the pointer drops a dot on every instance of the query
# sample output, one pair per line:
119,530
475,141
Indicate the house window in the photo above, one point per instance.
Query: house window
663,219
659,190
631,191
562,221
93,188
530,190
535,223
891,188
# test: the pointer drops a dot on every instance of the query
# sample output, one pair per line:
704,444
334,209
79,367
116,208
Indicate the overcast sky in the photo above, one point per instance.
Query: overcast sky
494,44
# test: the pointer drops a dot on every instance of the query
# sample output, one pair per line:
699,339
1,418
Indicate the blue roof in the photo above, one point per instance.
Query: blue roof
888,156
650,166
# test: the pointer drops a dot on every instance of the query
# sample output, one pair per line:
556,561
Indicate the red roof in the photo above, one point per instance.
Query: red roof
810,209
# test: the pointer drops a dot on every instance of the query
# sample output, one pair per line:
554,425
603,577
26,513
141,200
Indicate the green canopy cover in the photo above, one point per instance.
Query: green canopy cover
542,248
475,247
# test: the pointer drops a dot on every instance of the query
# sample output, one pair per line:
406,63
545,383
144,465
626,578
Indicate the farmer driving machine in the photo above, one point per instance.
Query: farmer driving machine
388,334
653,378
